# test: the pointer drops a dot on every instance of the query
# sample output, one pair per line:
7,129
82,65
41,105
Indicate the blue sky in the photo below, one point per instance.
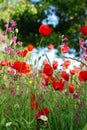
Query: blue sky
51,18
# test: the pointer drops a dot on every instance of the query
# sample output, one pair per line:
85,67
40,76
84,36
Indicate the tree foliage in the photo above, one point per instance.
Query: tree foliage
72,15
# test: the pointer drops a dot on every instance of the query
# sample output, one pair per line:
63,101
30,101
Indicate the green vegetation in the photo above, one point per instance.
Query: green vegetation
72,15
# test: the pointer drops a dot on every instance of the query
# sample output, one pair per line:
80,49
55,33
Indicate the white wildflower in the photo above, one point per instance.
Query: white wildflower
43,117
8,124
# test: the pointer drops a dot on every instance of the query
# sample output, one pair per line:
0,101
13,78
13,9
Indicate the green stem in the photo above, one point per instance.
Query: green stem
76,60
41,41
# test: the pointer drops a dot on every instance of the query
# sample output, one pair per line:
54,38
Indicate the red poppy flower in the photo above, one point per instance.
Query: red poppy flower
71,88
55,64
65,75
24,53
48,70
43,111
46,78
83,30
85,58
3,63
67,63
33,102
45,30
30,47
64,48
21,67
58,85
51,46
72,72
82,76
34,105
32,98
9,63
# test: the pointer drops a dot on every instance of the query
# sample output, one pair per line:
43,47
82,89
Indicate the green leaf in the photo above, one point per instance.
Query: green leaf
85,128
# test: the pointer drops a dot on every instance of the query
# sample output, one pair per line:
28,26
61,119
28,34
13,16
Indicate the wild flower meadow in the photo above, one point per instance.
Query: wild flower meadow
45,98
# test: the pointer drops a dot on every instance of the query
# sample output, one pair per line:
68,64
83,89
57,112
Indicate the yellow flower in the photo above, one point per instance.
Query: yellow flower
30,81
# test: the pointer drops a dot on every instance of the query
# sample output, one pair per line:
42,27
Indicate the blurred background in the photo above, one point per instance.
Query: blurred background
64,16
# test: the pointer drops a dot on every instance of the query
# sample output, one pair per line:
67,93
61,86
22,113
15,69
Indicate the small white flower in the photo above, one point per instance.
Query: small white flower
16,30
16,105
43,117
8,124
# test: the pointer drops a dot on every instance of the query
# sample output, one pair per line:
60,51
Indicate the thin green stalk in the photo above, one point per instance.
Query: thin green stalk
76,60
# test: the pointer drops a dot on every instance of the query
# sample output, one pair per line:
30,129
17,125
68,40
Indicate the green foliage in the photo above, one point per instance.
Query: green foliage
29,16
22,16
85,128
